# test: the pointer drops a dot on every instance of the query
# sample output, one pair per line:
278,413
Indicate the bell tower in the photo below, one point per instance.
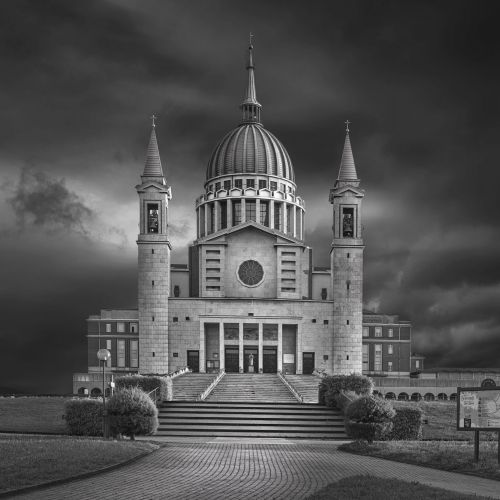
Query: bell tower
347,266
154,263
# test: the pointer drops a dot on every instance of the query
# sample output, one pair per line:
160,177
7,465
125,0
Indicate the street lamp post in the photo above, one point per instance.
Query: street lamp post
103,355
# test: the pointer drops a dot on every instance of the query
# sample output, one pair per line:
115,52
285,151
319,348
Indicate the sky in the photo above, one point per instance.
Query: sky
418,80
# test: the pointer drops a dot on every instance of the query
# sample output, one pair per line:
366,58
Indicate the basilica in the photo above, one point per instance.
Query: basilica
250,298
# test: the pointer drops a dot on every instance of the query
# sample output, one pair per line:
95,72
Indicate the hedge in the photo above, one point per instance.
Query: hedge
131,412
147,383
334,384
84,417
407,424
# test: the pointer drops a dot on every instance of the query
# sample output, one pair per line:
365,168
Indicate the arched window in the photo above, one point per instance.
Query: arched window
390,395
442,396
488,382
403,396
453,397
429,397
81,391
416,396
95,392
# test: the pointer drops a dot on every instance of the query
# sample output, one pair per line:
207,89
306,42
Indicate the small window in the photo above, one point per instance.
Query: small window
120,327
120,353
213,288
390,332
417,363
238,183
262,184
152,318
390,349
366,331
153,283
217,186
133,328
325,322
389,366
188,318
314,321
348,284
347,322
273,185
250,314
250,183
378,331
108,327
177,291
108,345
175,319
227,185
324,294
282,187
348,255
152,250
134,354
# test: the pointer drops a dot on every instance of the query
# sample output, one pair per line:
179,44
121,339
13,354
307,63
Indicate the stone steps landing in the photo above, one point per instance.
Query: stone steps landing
189,386
306,385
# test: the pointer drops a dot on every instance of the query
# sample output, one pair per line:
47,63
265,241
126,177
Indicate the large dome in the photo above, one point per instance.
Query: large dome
250,149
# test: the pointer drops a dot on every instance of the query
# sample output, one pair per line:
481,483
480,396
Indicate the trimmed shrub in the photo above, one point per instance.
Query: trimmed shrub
341,400
407,424
84,417
147,383
334,384
132,412
369,418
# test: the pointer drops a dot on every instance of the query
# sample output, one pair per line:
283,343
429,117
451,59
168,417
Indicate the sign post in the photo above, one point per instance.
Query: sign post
478,409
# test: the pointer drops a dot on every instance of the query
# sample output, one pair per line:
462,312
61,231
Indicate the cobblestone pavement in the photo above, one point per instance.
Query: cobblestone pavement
247,470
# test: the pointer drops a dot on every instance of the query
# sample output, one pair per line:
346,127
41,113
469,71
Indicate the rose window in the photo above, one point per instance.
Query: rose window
250,273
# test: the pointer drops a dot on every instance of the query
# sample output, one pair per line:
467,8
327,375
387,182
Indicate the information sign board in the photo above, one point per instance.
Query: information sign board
478,409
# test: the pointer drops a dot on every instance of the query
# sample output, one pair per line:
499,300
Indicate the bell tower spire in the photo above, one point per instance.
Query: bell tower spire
250,107
346,256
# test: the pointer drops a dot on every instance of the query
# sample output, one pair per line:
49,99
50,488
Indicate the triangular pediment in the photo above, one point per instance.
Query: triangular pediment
220,236
346,191
152,186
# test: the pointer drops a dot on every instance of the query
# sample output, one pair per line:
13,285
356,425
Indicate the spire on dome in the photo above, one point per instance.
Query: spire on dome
347,170
152,167
250,106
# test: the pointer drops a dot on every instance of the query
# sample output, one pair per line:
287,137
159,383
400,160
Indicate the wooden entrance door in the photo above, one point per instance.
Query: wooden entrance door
307,363
270,360
232,359
193,361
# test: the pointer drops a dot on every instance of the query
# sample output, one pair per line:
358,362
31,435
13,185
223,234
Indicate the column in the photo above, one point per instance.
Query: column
257,212
280,346
202,347
205,222
229,206
198,222
243,211
298,342
271,214
261,349
283,217
294,221
222,353
240,337
217,216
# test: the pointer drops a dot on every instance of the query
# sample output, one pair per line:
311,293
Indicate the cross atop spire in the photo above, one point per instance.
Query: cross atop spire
250,106
347,122
153,118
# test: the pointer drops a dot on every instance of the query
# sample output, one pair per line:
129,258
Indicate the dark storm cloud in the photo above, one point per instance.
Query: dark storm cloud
45,201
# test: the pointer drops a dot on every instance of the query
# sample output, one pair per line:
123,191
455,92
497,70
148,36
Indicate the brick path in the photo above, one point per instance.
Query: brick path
248,470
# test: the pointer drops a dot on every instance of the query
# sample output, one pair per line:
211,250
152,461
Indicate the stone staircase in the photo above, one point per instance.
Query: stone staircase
306,386
250,420
247,388
189,386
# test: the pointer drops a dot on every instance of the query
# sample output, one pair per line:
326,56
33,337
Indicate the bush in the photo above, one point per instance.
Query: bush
334,384
407,424
369,418
84,417
132,412
147,383
340,400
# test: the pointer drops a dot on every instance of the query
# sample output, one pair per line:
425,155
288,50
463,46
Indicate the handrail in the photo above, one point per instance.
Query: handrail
155,398
180,371
211,386
291,388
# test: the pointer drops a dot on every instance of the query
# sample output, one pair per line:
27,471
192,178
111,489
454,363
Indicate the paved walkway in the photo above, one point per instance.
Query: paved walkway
250,469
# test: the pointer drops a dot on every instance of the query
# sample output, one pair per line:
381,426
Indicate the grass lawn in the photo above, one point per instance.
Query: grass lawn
375,488
442,417
33,414
455,456
30,460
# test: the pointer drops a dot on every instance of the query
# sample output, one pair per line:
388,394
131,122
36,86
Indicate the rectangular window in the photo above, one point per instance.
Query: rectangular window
378,331
366,357
269,332
120,353
250,183
213,288
231,331
277,216
236,213
262,184
217,186
120,327
108,347
348,222
264,213
250,212
108,327
366,331
153,218
250,331
389,366
238,183
282,187
288,219
390,349
287,289
134,353
378,358
133,328
223,214
227,185
417,364
390,332
211,218
287,262
273,185
202,220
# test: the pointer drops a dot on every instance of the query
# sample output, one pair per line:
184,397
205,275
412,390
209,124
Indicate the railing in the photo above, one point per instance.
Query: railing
211,386
291,388
181,371
155,395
